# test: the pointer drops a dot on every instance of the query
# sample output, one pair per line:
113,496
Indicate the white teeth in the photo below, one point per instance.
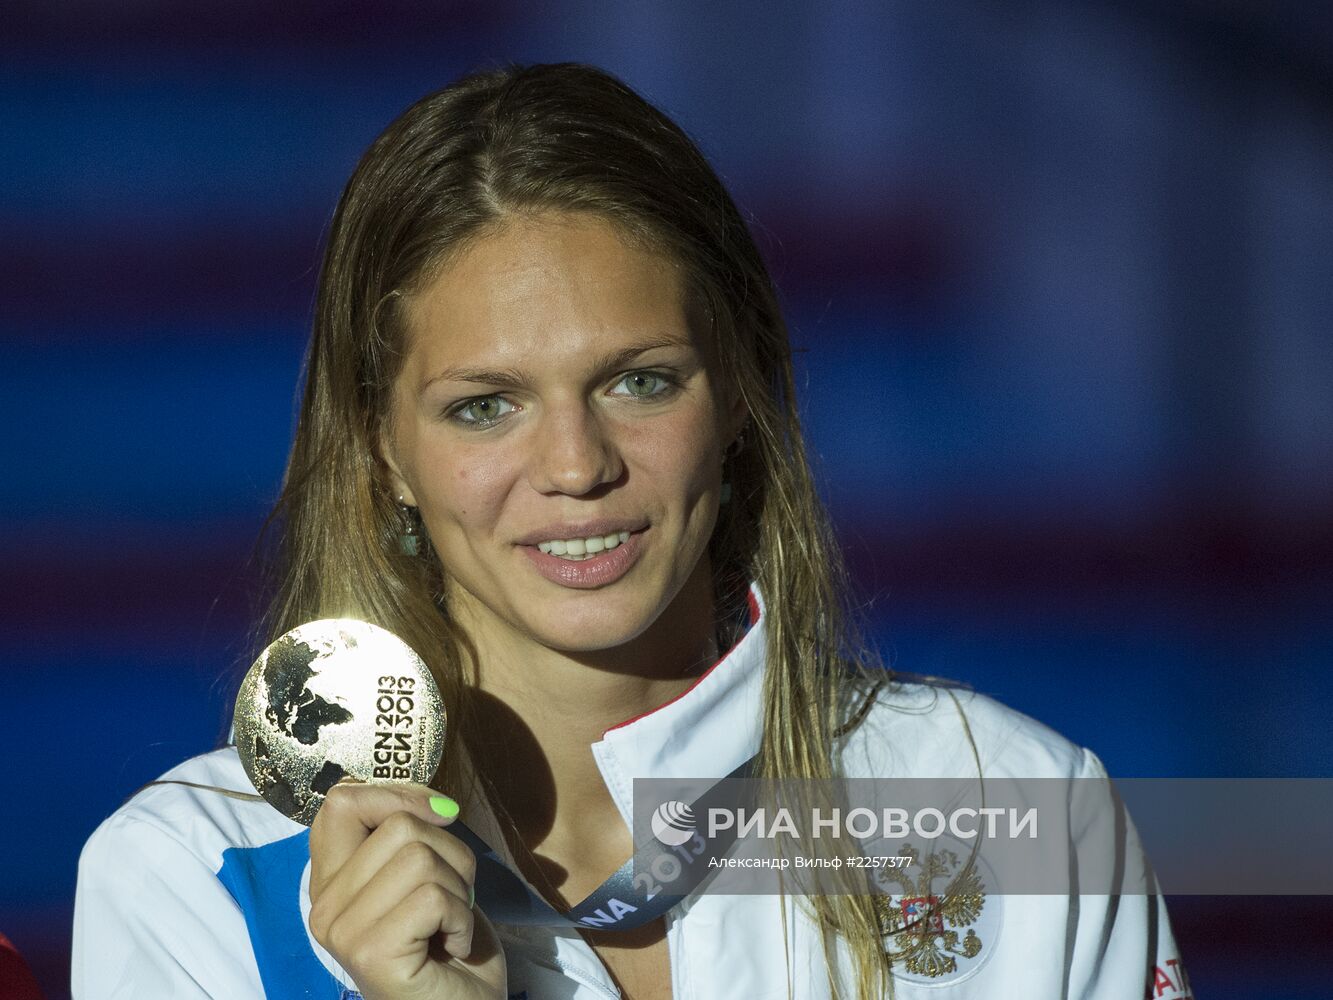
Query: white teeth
578,549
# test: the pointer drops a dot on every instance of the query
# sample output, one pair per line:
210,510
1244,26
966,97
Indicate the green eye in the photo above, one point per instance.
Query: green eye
645,384
482,411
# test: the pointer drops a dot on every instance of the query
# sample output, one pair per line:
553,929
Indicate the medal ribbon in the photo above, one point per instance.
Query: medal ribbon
624,901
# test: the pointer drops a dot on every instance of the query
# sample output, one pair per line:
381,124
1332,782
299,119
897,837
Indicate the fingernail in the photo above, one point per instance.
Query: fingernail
444,806
471,896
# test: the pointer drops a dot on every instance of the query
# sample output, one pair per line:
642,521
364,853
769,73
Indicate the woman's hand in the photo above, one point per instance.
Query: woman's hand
391,897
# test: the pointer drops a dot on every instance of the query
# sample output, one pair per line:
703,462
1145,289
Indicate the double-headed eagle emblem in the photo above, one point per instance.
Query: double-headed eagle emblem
924,920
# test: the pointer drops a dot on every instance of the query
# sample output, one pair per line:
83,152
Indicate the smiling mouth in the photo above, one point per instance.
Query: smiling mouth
579,549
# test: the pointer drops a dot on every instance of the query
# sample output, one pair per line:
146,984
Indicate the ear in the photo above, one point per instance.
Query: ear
397,481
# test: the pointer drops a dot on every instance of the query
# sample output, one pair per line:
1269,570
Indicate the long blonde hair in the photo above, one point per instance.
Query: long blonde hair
571,138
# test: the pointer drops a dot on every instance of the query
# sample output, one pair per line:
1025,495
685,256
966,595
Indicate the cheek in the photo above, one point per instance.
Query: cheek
681,453
467,486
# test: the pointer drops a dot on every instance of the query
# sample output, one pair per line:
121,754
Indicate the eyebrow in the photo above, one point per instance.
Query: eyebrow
510,378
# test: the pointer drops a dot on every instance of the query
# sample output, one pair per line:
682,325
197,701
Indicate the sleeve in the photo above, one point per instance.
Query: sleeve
1122,948
151,920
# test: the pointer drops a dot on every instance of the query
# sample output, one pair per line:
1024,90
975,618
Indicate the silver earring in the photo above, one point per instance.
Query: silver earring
409,538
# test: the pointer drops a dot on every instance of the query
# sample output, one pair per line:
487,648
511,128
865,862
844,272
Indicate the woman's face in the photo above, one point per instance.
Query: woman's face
561,428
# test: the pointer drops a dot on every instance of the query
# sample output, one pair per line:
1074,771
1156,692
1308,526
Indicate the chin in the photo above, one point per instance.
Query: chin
587,625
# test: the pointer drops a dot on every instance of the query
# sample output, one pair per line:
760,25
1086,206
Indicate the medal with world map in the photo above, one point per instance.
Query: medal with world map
333,699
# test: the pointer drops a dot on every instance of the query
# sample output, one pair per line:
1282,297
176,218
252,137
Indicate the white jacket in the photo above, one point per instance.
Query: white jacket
185,893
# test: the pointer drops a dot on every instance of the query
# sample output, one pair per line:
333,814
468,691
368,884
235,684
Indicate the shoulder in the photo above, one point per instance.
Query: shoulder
161,907
924,728
191,809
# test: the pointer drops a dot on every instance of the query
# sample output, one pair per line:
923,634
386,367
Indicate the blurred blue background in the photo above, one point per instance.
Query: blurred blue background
1060,277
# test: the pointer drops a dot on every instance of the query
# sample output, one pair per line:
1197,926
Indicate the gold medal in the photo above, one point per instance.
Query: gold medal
334,699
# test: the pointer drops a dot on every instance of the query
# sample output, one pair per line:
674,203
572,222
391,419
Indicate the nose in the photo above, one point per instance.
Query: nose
573,452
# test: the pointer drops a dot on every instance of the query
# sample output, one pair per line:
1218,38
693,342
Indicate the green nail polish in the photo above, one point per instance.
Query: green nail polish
444,806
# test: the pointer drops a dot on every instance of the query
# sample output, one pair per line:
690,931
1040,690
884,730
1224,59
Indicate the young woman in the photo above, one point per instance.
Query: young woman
547,351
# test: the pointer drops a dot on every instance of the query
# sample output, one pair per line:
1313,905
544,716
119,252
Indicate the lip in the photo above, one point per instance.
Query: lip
587,574
580,529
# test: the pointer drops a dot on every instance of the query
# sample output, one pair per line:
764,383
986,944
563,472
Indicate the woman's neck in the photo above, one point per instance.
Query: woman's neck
538,711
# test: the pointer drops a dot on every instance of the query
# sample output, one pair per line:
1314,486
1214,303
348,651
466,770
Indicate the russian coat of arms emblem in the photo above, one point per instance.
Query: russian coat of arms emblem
927,911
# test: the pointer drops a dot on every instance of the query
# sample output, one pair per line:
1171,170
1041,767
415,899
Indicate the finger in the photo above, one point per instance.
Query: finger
402,937
402,842
426,912
352,810
415,864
